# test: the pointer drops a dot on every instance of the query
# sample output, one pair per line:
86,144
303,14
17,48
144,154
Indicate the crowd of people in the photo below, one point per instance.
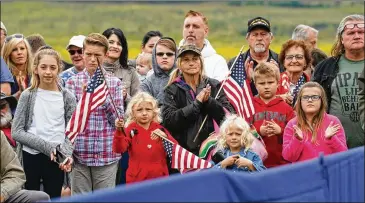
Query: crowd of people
305,103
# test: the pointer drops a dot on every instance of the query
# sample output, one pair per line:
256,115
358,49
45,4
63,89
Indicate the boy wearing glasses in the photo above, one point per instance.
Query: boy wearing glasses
339,74
272,113
74,48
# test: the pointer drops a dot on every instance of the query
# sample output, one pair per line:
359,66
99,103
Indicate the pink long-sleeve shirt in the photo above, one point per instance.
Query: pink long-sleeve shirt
295,150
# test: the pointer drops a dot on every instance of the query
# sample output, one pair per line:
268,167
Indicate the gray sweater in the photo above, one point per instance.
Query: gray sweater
23,119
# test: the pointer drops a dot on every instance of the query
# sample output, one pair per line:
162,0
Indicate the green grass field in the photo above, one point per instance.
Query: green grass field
57,22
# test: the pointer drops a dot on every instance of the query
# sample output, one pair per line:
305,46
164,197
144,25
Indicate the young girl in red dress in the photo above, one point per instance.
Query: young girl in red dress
147,156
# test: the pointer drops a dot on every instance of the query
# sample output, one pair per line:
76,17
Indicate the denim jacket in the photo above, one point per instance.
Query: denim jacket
249,154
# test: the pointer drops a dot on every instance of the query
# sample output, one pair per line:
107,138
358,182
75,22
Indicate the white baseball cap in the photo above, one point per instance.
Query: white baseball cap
76,41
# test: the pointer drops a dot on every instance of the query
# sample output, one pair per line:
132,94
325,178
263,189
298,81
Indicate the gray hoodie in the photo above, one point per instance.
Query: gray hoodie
156,83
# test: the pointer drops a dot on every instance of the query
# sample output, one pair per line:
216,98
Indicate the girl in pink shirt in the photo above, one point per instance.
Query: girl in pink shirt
312,131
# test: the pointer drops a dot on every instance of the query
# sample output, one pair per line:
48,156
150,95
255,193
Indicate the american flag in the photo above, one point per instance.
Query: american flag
94,96
238,91
182,159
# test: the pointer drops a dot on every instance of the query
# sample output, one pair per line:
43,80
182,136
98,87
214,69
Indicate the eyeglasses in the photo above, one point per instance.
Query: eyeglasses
352,26
291,57
73,52
18,36
168,54
312,97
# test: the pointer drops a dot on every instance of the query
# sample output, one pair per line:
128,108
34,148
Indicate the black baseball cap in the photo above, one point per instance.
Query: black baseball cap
10,99
258,22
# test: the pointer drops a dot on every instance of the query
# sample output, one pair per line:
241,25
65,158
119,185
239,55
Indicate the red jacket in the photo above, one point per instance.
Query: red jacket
147,157
278,110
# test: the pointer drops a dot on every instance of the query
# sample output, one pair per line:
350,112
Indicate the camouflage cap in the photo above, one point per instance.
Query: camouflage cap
189,47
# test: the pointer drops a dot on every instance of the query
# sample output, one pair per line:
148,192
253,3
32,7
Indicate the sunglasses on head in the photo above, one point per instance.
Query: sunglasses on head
352,26
161,54
18,36
73,52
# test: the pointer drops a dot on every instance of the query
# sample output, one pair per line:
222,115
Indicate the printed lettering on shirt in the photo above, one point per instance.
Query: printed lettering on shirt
268,115
348,89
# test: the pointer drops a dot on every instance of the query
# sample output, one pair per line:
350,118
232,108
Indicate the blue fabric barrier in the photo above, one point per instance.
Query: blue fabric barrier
345,173
338,177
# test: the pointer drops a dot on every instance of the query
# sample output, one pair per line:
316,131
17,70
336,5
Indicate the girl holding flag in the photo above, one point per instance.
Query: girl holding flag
147,156
39,125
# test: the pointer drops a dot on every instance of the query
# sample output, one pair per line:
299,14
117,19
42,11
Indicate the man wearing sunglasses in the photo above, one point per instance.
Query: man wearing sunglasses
74,48
339,75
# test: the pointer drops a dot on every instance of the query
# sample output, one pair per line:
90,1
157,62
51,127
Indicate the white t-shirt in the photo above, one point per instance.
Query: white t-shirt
48,118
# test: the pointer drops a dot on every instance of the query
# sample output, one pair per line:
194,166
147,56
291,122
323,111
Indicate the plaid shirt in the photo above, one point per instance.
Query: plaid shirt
93,147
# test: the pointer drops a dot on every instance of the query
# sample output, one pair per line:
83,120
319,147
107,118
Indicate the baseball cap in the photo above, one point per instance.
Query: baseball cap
3,27
189,47
10,99
76,41
258,22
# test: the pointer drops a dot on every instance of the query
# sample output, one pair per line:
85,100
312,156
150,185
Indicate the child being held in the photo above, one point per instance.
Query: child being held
144,66
141,138
234,144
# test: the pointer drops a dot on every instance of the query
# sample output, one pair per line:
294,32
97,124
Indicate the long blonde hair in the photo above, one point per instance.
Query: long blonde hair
175,73
137,100
34,83
318,118
7,49
230,121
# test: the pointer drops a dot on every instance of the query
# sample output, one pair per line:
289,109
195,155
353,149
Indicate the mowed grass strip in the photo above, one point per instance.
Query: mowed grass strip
59,21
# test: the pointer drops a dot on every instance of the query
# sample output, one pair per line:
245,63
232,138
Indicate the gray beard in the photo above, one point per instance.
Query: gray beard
6,119
259,49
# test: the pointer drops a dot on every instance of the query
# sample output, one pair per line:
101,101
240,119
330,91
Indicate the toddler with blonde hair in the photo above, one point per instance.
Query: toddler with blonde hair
234,144
141,138
144,66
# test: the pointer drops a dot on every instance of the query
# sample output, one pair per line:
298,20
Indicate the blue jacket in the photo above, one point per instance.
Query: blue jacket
249,154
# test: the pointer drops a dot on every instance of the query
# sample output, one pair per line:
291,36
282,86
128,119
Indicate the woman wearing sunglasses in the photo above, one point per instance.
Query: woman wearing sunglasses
312,131
163,62
17,55
296,57
116,63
